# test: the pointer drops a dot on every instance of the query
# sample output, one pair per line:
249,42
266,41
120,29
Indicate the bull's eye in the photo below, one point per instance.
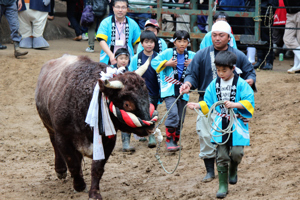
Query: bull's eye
128,106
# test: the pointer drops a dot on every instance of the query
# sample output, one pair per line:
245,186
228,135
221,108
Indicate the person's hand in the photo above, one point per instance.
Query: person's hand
187,62
171,63
185,88
193,106
229,104
250,81
112,60
19,4
201,1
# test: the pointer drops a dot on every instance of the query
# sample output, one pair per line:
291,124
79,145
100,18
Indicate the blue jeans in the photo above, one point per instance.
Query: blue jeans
11,14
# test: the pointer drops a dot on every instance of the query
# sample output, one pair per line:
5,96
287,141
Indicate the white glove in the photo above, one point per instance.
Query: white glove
201,1
46,2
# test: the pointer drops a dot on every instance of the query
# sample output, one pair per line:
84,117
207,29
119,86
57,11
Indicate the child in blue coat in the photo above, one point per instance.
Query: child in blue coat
173,63
238,95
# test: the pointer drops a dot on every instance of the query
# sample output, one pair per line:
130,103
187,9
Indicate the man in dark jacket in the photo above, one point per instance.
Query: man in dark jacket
292,36
10,9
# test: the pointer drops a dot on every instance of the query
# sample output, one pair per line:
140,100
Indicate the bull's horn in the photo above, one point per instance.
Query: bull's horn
113,84
142,69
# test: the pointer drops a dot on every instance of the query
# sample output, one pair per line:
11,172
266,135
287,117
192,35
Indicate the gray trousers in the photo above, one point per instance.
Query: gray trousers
291,37
207,149
92,30
174,117
11,14
227,153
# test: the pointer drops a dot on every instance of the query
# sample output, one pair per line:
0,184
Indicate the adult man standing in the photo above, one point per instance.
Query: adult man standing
117,31
200,73
292,36
10,9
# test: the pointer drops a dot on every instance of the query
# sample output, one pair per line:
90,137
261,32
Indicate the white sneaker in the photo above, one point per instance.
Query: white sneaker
85,36
90,49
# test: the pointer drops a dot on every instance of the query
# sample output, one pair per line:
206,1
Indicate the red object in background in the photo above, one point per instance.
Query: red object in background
280,15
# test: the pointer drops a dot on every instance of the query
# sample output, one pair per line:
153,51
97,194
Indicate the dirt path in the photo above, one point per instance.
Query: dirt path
269,170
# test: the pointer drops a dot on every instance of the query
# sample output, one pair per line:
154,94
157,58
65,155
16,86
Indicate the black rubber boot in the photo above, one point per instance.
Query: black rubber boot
126,142
210,170
233,172
17,51
223,181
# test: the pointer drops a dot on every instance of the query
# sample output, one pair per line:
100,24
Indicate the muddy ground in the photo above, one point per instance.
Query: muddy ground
269,169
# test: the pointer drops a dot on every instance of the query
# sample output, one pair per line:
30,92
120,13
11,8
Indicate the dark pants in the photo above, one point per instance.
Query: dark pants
266,35
71,14
11,14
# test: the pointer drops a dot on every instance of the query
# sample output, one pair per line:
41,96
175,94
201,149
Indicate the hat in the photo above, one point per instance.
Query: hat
221,26
151,22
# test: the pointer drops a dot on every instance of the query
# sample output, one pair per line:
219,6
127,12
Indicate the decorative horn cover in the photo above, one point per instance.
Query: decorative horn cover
113,84
142,69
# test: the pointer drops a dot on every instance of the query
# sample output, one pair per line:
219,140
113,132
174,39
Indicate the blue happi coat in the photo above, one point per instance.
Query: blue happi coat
167,89
105,31
245,96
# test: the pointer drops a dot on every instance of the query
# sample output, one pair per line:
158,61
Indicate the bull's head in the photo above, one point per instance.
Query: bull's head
128,92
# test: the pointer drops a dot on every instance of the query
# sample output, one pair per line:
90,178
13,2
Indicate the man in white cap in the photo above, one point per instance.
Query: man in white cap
200,73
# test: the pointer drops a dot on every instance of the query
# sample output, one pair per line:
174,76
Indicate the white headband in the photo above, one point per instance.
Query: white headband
221,26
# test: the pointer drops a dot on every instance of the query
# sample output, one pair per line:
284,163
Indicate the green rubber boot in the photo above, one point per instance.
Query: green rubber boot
223,181
233,172
152,141
126,142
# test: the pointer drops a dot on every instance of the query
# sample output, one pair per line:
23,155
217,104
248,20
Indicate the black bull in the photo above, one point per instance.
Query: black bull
63,94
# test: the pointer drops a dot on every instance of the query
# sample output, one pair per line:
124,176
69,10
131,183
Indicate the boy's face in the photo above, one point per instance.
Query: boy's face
122,61
224,72
181,45
151,28
148,45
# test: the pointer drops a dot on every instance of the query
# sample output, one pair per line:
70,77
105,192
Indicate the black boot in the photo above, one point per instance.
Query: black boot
210,170
17,52
233,172
258,64
126,142
268,66
3,46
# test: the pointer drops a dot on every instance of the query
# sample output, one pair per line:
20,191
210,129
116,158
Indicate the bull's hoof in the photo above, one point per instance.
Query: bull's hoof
95,195
79,184
61,175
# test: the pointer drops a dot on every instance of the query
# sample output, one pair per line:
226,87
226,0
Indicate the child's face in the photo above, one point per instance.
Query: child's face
122,61
181,45
225,73
151,28
148,45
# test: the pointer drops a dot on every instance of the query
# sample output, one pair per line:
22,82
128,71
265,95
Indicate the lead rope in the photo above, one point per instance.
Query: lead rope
160,137
209,115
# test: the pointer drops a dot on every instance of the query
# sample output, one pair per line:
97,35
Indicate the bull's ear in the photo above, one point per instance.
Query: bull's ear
113,84
142,69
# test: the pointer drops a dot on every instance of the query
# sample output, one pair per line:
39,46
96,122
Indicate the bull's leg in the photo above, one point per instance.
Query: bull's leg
73,159
98,167
60,164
